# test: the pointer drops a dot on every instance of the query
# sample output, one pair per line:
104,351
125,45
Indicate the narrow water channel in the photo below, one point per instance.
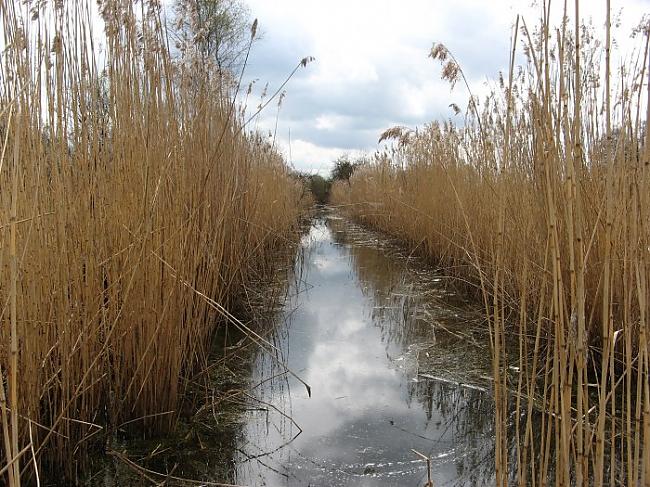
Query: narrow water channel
395,362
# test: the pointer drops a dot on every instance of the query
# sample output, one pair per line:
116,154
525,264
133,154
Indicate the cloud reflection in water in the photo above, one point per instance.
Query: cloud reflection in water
355,334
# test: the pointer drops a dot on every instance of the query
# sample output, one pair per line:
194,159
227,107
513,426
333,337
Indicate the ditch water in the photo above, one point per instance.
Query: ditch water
395,361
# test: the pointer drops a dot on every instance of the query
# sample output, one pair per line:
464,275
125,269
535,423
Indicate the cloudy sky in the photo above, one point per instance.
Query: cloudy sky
371,69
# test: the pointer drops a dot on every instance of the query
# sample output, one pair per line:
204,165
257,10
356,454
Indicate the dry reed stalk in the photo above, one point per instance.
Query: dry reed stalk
13,363
558,235
118,175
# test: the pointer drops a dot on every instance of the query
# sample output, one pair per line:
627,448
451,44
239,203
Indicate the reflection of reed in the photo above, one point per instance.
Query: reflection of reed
409,303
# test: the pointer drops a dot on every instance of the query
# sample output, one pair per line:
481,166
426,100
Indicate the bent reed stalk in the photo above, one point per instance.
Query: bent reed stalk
122,211
539,203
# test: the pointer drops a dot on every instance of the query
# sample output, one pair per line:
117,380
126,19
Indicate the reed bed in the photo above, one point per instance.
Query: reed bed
135,210
539,203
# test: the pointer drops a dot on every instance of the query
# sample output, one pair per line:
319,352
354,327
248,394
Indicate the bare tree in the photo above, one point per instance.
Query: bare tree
217,30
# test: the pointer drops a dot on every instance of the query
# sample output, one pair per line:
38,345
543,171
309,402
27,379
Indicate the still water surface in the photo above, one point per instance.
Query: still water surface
395,362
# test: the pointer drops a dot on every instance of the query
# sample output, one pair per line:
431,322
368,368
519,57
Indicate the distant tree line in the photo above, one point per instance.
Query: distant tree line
320,186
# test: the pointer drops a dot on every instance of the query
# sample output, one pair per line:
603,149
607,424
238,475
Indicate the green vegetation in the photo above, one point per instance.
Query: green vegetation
320,187
343,169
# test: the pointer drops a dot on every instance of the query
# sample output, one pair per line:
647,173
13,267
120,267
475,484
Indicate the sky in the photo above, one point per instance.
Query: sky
371,69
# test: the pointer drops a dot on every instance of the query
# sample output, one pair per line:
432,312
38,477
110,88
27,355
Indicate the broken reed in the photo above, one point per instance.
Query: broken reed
131,204
540,202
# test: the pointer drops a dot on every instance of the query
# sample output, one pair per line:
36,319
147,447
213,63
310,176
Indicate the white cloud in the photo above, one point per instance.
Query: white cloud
330,121
309,157
372,70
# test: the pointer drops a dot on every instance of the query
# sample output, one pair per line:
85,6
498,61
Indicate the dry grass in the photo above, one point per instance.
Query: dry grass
540,203
133,208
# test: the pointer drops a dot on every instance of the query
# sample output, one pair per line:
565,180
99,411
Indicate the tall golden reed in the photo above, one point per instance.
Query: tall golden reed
539,202
132,208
